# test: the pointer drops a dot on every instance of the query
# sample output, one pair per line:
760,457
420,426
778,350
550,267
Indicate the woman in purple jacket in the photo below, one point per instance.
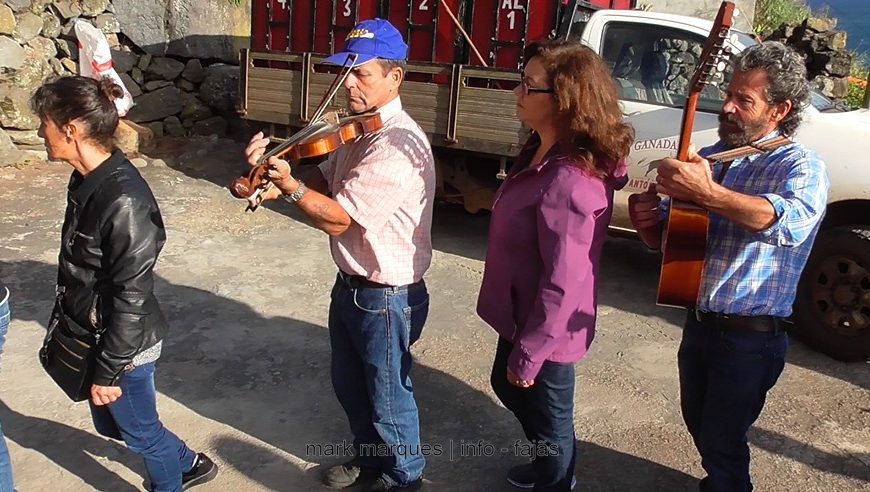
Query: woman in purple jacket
548,225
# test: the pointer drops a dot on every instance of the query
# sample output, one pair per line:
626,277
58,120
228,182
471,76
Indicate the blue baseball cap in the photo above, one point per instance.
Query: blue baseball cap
370,39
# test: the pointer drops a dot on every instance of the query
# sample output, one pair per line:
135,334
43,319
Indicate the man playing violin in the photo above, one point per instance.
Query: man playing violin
765,209
374,198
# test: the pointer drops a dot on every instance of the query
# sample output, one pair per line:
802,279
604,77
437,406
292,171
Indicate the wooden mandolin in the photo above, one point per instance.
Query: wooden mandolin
685,237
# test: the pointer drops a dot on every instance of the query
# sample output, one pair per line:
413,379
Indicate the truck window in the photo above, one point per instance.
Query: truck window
655,64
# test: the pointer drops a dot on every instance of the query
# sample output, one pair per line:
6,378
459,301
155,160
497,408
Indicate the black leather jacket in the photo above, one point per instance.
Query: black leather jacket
112,235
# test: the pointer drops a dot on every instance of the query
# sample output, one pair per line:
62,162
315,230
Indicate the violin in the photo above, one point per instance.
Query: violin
317,139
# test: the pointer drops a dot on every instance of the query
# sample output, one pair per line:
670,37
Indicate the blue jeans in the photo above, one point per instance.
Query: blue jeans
5,463
546,413
724,379
133,418
371,331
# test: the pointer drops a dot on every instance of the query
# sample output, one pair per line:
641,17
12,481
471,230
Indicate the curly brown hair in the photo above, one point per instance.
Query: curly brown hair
588,102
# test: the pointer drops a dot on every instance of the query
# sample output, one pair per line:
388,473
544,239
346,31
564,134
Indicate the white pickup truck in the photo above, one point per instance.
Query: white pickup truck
467,112
832,310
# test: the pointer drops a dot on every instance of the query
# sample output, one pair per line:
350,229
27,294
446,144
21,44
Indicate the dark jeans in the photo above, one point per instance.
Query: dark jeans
5,462
546,413
724,378
133,418
371,331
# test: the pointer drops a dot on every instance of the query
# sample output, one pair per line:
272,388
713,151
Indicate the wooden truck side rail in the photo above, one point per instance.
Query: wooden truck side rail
455,115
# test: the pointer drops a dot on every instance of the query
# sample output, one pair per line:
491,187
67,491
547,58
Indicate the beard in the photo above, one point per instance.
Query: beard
737,133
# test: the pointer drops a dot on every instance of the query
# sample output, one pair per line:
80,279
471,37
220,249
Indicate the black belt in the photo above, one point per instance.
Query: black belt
763,323
358,281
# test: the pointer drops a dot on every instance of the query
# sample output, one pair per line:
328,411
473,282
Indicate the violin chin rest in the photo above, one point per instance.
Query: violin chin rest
240,188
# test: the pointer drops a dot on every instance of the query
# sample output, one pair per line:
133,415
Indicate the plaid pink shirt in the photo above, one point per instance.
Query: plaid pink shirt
385,181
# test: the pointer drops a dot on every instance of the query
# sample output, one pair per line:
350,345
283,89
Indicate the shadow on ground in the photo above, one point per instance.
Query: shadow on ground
269,379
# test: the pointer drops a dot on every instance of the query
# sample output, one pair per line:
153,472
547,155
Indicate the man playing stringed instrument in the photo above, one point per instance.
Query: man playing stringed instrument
765,210
373,197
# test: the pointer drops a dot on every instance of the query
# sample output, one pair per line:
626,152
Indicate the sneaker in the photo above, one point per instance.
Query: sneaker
523,477
204,470
348,474
381,485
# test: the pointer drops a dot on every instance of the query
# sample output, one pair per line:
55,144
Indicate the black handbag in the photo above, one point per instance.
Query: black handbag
69,354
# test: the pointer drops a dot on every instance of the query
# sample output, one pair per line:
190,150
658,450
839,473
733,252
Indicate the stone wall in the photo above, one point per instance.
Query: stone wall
178,58
828,60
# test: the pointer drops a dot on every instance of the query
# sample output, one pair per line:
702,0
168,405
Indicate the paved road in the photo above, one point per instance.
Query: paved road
244,375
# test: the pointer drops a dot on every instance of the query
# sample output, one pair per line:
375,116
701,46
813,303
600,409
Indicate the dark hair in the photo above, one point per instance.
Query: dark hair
588,101
786,78
81,98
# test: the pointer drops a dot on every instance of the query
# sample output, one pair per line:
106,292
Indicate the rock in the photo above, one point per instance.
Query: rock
195,111
57,66
68,9
220,87
44,47
193,71
51,26
38,6
211,126
144,22
70,65
156,128
132,138
67,48
840,88
107,23
156,84
68,31
9,153
93,8
131,85
137,75
7,20
114,42
144,61
156,105
172,127
163,68
138,162
11,53
818,24
25,137
219,29
160,163
35,68
28,27
124,61
185,85
15,109
837,64
18,5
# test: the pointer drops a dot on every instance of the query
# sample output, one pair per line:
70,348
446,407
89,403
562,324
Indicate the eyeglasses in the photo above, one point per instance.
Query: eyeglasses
528,89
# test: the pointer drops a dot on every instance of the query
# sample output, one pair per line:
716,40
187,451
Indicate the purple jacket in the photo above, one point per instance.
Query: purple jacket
547,229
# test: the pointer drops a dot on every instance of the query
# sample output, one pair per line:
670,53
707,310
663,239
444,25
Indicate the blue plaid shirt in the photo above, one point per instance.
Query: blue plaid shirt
756,273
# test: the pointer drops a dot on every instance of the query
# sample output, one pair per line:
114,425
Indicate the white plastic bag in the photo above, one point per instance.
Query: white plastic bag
95,61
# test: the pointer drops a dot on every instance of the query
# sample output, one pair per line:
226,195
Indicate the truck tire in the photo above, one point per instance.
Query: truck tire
832,307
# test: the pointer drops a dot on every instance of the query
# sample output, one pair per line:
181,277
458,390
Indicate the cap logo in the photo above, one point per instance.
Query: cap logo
359,33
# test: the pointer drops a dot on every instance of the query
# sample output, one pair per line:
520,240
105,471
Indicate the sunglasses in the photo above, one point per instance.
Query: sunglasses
528,89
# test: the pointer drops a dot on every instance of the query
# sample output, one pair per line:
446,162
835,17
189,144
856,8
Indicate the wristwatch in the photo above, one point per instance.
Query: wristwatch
296,195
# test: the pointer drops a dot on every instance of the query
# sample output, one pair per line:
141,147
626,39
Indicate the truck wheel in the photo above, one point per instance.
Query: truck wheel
832,307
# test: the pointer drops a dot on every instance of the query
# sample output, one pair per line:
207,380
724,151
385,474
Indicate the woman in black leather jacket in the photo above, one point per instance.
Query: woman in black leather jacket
112,235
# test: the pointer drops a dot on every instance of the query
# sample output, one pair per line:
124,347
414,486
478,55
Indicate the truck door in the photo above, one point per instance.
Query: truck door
652,65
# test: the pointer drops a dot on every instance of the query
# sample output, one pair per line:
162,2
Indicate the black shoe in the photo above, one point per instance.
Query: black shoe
348,474
523,477
381,485
204,470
